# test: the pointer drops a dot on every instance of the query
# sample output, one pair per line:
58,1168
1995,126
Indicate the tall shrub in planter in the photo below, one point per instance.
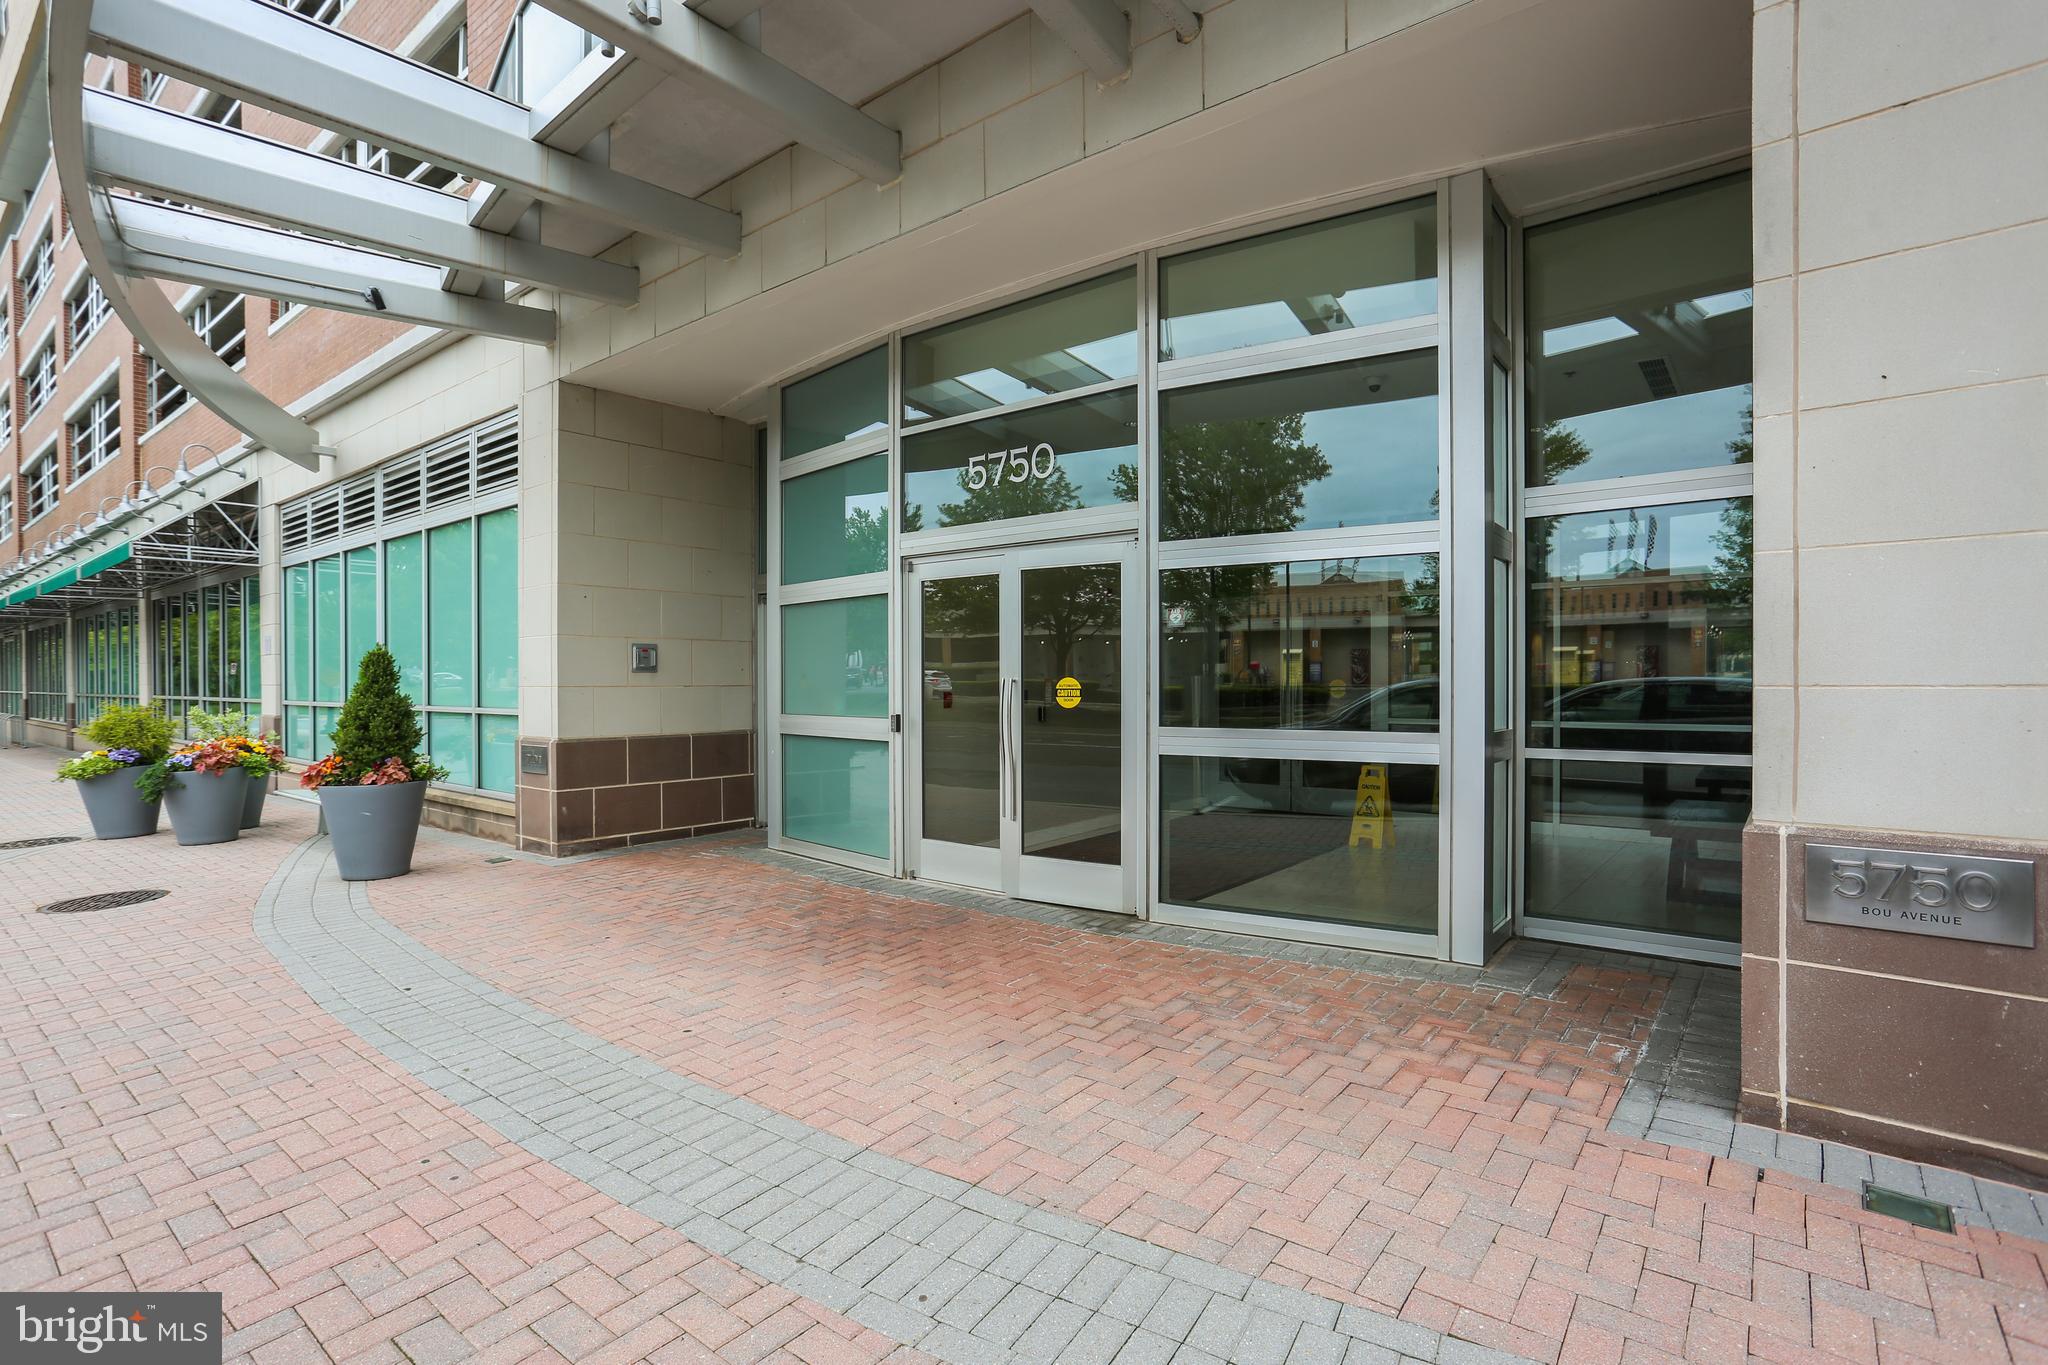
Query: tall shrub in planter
374,785
130,739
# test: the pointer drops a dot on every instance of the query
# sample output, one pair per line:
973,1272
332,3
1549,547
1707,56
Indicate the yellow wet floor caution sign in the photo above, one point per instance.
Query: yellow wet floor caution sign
1372,819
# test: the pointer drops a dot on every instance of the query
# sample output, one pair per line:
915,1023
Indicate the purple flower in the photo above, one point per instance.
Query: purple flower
182,762
125,757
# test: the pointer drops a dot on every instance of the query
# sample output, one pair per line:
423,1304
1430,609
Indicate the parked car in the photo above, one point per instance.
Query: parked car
1698,715
937,683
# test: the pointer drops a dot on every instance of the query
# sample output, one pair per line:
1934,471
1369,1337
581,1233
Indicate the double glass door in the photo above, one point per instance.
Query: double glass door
1026,720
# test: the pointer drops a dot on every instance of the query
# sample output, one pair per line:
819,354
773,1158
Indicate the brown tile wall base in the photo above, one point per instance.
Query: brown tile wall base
618,791
1922,1047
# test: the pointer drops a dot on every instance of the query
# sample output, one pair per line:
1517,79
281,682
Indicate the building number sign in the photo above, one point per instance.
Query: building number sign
1016,465
1945,895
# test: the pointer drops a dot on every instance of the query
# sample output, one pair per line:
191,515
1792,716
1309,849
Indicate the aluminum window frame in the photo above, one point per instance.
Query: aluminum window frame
39,377
186,600
1706,483
89,302
43,471
39,267
94,427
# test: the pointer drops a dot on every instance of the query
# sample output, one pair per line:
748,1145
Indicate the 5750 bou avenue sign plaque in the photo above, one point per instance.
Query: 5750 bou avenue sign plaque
1944,895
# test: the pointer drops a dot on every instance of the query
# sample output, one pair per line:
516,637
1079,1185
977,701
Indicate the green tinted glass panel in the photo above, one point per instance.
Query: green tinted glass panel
327,679
362,605
451,741
836,522
498,752
1058,458
1332,276
497,625
451,617
298,635
211,627
405,616
252,638
835,792
298,732
324,718
850,399
1069,339
835,658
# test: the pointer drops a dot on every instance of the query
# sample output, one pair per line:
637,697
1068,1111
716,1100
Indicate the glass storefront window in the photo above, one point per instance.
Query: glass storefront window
1073,338
1639,336
850,399
1333,276
1640,629
1059,458
1332,644
1284,837
328,682
836,522
1341,445
497,618
1653,846
451,616
835,792
835,657
405,612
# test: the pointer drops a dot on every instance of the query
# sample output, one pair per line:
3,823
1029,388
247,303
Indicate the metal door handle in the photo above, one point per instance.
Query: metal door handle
1003,749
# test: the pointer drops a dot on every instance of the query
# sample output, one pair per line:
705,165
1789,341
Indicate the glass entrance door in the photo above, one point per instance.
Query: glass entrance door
1020,740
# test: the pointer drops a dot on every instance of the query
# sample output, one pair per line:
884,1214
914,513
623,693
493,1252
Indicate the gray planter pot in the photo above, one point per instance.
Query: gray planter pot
207,808
116,809
252,804
373,828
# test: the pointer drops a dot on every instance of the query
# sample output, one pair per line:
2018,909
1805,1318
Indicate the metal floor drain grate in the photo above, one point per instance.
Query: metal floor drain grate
106,900
45,842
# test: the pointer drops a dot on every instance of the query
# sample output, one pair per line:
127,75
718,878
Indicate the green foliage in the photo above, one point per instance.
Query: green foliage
211,725
378,722
87,766
155,779
142,728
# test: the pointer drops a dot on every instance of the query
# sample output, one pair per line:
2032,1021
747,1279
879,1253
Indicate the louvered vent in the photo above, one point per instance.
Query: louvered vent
497,457
402,497
296,532
1657,374
449,469
445,474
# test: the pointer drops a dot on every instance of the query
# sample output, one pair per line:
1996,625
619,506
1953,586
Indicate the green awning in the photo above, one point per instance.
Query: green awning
64,578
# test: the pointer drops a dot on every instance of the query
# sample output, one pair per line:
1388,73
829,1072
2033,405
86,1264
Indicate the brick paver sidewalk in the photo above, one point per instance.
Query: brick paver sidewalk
683,1105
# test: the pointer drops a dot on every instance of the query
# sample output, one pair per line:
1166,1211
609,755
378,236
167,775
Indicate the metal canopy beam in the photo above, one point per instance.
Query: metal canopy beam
695,48
1098,32
199,248
268,57
143,148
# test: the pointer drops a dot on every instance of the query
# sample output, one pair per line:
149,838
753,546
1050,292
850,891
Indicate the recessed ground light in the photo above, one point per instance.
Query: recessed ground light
106,900
1909,1207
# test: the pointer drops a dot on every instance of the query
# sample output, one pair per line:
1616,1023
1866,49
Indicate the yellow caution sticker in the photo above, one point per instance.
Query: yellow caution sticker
1067,692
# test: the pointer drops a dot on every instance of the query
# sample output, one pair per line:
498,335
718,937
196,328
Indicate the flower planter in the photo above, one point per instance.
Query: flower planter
207,808
373,828
252,804
116,809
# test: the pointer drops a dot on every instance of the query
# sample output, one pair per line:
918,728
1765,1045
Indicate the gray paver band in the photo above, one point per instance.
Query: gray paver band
928,1260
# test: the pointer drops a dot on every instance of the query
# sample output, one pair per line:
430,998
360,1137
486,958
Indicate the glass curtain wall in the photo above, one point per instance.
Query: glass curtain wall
107,659
829,643
1300,552
1639,543
209,650
47,697
10,674
445,601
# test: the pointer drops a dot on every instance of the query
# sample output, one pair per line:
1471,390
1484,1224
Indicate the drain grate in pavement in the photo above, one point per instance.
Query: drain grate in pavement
45,842
106,900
